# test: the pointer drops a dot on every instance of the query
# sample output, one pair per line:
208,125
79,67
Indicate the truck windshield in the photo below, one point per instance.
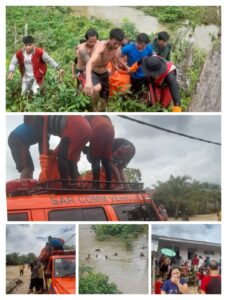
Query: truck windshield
64,267
135,212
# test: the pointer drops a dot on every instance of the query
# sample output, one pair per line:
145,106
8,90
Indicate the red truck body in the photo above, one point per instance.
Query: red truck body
60,273
77,202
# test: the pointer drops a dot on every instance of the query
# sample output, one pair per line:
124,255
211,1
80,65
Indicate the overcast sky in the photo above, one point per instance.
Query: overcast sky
32,238
158,154
197,232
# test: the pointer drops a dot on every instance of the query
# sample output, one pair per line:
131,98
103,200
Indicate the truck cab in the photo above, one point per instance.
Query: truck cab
60,273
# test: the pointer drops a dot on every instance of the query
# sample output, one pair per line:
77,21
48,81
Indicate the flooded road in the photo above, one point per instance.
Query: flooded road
146,23
128,269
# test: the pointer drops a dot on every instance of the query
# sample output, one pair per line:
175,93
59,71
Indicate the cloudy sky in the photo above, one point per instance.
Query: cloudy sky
197,232
32,238
158,154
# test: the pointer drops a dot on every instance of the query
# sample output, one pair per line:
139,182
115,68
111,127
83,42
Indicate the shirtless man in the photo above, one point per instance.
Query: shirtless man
97,77
83,54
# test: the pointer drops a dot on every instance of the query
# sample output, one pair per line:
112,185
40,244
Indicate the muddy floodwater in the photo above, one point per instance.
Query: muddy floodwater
146,23
129,270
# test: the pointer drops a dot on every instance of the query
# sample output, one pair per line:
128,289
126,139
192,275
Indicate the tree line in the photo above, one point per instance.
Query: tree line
14,258
184,194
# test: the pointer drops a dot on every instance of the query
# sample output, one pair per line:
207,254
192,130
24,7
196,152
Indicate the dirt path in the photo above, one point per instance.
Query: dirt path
12,274
208,217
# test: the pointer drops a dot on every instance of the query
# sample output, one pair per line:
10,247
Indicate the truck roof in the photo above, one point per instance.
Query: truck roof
62,252
67,186
27,194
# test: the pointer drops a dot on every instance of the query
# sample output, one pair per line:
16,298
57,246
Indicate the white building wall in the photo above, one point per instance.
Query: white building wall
184,252
199,250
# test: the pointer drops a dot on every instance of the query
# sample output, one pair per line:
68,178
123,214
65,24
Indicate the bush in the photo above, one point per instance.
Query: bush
57,31
196,14
95,283
104,232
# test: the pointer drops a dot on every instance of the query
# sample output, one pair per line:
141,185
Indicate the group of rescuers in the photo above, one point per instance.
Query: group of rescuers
39,265
75,131
103,68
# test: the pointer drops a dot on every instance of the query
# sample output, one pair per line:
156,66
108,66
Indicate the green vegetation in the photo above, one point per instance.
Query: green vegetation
125,232
17,259
133,175
190,71
95,283
197,15
188,196
57,30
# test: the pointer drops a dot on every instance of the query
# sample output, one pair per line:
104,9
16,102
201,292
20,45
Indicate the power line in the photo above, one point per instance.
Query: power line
169,131
70,238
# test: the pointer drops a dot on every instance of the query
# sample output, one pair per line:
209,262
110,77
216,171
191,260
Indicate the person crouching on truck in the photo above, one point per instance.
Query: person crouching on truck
32,63
45,254
19,141
56,243
123,151
74,132
100,149
161,73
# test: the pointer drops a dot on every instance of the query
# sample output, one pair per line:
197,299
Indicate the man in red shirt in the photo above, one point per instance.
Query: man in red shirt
211,284
100,149
195,263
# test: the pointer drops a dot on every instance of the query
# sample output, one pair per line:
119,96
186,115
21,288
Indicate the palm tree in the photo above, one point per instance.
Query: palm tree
176,191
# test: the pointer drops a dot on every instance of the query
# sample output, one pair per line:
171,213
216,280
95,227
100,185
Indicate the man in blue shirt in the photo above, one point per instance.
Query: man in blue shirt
56,243
135,52
19,141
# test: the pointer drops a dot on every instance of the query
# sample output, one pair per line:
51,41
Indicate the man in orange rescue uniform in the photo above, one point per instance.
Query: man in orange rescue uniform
164,84
100,149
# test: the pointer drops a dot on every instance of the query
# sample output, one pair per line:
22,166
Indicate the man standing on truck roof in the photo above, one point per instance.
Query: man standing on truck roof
100,149
123,151
19,141
74,132
32,63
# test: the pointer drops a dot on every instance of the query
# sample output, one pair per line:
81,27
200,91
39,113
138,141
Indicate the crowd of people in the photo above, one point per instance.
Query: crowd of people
174,271
75,132
103,68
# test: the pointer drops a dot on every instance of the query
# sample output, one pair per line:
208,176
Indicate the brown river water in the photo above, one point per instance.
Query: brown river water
145,23
128,269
